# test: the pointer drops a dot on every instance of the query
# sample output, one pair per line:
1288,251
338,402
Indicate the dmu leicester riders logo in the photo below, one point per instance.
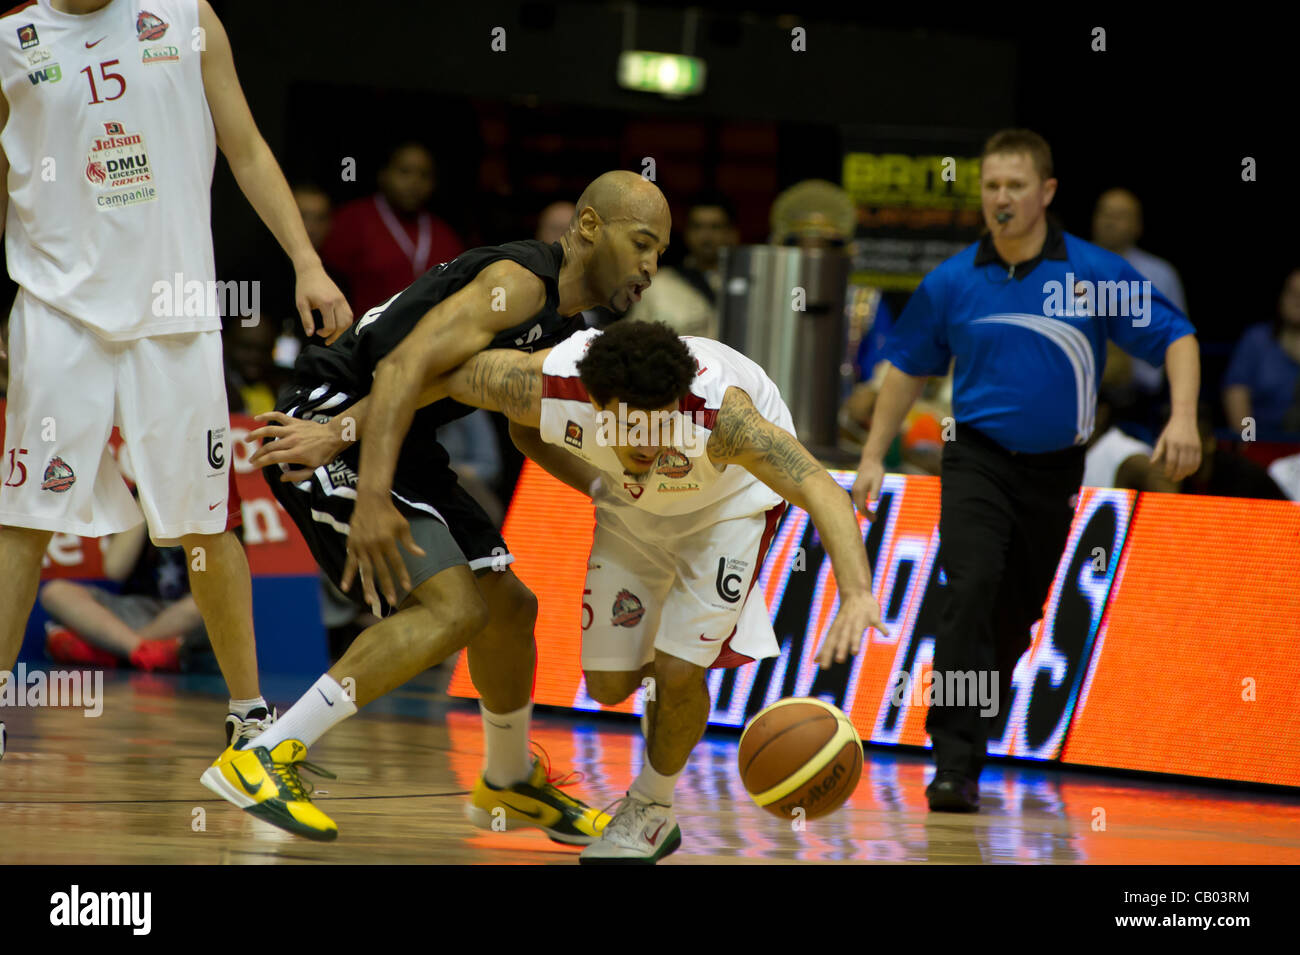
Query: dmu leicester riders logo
628,610
149,27
58,476
573,434
673,464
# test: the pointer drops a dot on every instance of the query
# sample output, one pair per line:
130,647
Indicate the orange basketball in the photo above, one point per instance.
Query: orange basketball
800,753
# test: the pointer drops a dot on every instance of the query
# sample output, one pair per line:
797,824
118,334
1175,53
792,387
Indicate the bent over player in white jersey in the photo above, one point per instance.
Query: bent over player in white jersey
690,456
112,111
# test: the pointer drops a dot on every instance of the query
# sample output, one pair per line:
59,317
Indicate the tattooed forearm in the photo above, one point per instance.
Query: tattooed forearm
502,383
741,432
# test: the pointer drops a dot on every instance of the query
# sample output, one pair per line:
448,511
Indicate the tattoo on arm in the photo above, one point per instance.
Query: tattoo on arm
741,431
505,383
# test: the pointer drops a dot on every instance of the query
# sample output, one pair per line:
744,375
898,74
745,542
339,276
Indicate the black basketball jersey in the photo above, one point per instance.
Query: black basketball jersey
349,364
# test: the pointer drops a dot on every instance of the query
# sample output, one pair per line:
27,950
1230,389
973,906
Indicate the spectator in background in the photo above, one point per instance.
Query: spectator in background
1116,227
316,210
379,245
1224,474
554,221
1115,459
251,372
685,297
1263,378
153,624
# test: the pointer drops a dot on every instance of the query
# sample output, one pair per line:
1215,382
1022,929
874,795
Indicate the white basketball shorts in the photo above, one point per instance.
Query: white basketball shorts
692,597
68,388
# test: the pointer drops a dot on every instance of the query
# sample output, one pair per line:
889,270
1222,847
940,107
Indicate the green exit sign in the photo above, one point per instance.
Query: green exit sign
667,73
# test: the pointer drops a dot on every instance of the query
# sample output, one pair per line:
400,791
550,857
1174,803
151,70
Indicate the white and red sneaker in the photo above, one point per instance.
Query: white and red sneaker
640,833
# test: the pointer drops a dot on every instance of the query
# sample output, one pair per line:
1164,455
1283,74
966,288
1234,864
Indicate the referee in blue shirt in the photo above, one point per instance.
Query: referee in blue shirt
1026,313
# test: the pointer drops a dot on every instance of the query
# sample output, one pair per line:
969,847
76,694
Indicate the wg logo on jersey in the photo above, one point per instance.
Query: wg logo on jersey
27,36
149,27
573,434
628,609
49,74
216,449
673,464
58,476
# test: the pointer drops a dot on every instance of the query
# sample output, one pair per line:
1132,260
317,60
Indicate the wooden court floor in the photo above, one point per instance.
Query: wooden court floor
123,788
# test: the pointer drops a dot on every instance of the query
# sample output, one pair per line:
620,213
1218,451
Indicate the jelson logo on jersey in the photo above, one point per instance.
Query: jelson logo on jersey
628,609
573,434
58,476
149,27
119,161
673,464
27,36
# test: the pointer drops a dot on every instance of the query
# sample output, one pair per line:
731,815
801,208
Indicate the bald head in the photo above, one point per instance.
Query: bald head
621,195
1117,220
620,230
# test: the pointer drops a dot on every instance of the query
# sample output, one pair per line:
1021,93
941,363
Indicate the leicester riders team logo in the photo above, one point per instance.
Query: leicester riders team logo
627,610
149,27
58,476
573,434
673,464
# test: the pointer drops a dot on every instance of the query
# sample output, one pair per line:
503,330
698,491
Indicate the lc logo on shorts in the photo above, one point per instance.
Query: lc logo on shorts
730,574
628,609
216,449
58,476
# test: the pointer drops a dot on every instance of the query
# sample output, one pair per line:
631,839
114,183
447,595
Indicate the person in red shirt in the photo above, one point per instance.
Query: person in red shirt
379,244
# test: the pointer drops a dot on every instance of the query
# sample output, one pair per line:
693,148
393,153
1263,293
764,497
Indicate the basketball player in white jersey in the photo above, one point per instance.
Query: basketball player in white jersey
690,456
112,111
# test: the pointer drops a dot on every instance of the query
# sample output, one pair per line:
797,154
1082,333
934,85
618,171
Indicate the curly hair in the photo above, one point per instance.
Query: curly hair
643,364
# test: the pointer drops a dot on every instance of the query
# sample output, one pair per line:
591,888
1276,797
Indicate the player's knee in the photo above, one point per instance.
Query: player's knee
55,594
455,602
515,603
610,687
674,676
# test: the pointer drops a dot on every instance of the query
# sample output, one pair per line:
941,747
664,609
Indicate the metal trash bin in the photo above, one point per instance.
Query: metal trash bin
802,351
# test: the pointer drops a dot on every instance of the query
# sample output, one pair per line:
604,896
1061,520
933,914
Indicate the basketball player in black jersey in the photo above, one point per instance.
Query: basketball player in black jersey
354,459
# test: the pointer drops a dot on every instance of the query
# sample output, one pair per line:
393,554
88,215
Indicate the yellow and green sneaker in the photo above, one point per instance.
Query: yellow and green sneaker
536,802
266,784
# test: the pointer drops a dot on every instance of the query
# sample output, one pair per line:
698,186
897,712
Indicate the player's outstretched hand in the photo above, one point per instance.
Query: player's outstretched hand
866,486
308,444
1180,447
316,290
373,533
855,615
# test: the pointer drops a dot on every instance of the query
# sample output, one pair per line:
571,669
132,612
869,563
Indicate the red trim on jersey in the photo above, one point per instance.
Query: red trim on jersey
694,406
234,503
564,388
18,9
727,657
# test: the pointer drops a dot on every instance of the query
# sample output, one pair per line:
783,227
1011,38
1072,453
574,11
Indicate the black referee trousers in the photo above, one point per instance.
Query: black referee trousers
1003,522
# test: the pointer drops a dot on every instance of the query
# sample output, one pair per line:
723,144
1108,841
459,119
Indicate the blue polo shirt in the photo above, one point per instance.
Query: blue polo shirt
1030,339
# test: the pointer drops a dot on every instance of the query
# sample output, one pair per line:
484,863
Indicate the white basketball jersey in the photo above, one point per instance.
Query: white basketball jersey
684,490
111,147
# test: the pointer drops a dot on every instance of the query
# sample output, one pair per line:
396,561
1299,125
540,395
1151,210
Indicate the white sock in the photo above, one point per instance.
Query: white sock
506,757
319,709
653,786
241,707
